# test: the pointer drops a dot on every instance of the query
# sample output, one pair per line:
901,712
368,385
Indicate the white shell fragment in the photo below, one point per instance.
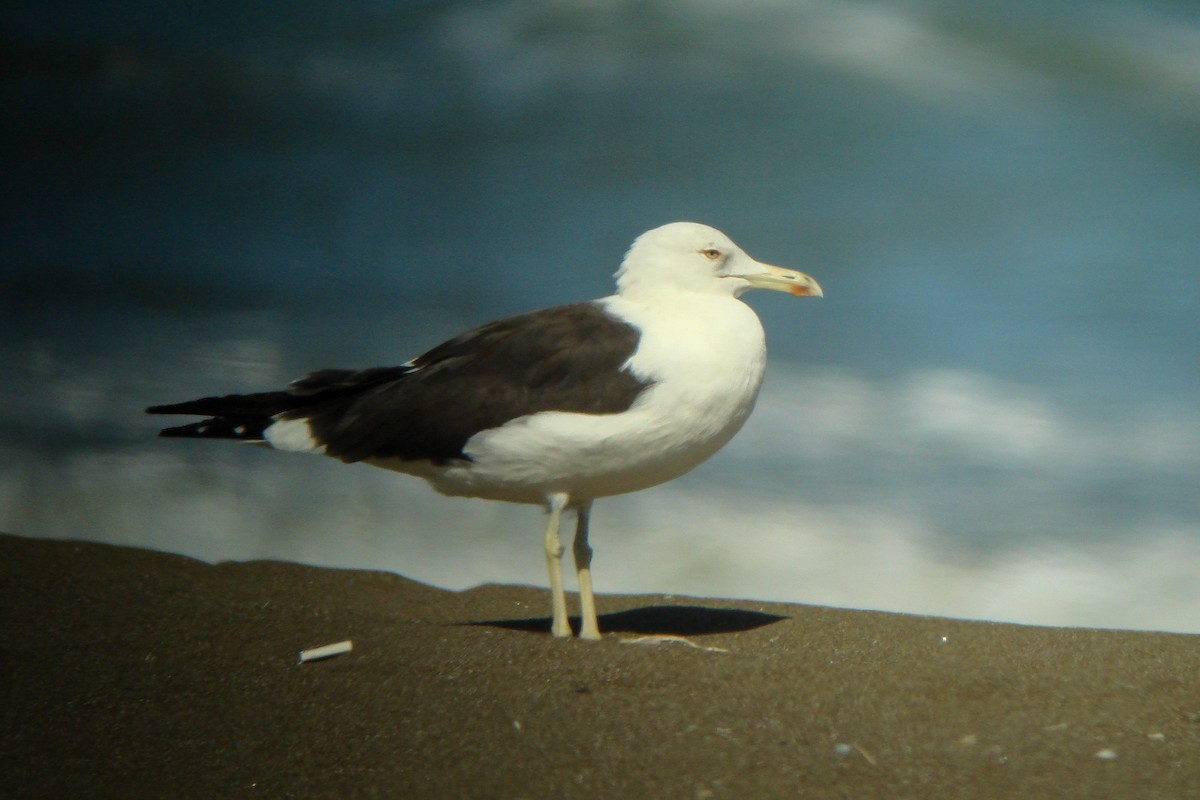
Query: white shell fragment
328,651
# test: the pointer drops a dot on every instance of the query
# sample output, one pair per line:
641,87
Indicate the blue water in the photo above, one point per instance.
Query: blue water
994,412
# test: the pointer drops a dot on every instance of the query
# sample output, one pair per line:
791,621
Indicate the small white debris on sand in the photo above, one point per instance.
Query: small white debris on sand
329,650
1107,754
843,749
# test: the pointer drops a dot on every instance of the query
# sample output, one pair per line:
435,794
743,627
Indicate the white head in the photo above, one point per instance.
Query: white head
690,257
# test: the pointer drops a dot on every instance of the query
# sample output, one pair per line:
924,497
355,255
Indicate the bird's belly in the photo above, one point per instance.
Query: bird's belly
589,456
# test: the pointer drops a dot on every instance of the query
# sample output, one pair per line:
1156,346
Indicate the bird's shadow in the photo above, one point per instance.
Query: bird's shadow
663,620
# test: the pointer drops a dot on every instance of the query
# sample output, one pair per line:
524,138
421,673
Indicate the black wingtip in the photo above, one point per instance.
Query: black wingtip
194,430
190,407
241,429
174,433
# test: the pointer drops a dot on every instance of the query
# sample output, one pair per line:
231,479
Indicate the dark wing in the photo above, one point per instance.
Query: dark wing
570,358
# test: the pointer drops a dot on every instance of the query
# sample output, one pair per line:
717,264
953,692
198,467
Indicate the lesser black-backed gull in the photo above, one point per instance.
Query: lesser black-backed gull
556,407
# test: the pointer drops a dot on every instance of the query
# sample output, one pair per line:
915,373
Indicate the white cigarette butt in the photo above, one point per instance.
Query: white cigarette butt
317,653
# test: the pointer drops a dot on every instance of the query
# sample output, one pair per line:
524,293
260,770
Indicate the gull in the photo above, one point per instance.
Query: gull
557,407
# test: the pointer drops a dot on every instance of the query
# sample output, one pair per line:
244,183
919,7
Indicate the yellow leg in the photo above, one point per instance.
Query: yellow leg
558,600
583,570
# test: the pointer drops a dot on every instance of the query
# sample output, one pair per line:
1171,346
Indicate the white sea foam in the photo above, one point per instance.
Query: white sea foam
796,509
976,61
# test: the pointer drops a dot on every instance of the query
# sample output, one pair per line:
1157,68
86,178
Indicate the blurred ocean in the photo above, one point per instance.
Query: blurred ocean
994,413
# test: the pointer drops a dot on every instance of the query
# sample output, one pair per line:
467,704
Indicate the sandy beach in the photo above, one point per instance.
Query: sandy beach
128,673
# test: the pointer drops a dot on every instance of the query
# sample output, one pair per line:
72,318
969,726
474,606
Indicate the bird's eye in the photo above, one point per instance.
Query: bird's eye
711,253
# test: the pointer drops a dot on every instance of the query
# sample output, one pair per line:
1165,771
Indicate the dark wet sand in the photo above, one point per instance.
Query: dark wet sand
127,673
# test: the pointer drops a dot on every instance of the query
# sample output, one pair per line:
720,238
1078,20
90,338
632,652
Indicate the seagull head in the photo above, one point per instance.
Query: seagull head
690,257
